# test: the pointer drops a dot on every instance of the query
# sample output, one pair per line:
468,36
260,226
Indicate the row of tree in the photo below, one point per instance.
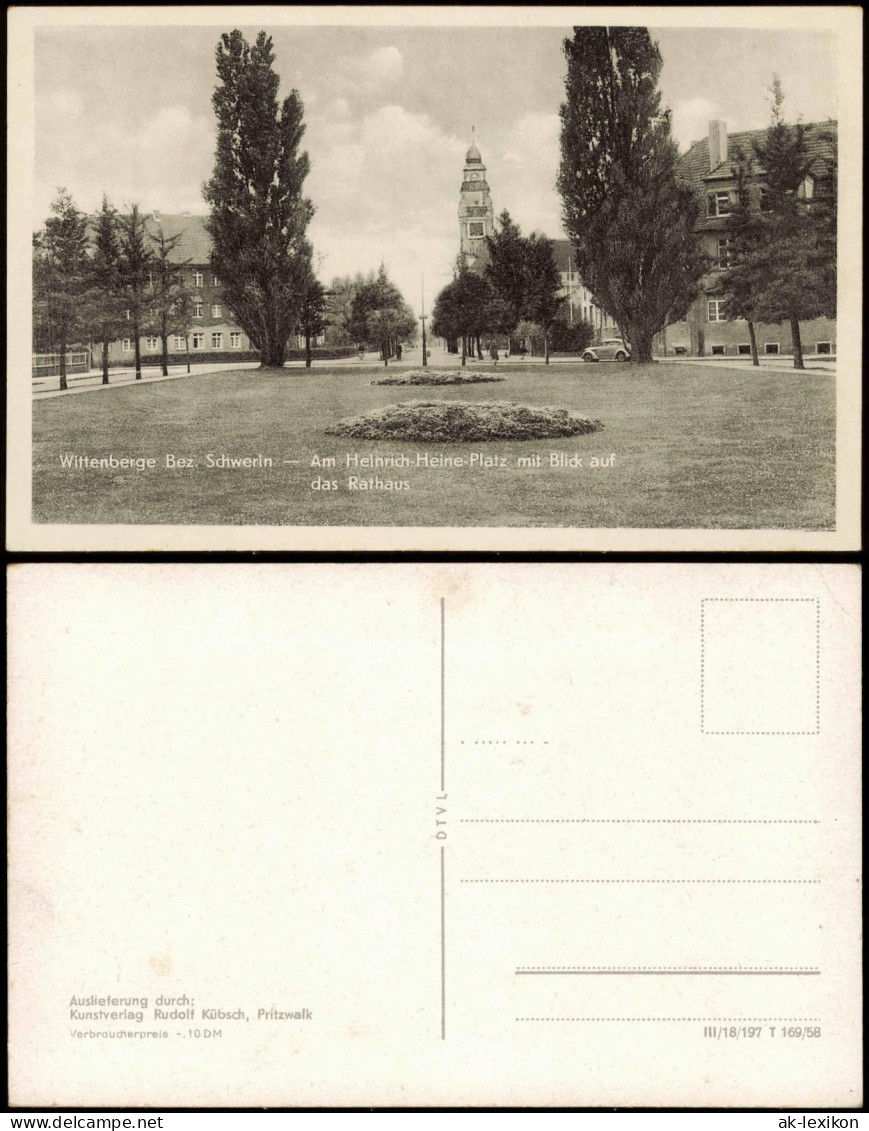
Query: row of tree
517,294
782,251
119,280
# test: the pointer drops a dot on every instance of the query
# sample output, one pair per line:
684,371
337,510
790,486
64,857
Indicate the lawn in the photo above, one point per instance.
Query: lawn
693,447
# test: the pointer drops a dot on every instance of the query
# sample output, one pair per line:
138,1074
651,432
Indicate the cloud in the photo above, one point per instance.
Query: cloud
384,65
691,118
523,170
368,75
157,161
371,201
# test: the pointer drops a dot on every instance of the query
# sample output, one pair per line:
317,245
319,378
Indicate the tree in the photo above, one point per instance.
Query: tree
542,299
796,260
339,309
312,314
380,316
172,304
631,221
60,276
742,281
136,262
104,302
258,214
463,310
507,272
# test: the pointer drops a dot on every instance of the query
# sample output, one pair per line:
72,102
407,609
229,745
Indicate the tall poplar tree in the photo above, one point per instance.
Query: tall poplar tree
136,276
258,213
172,305
60,275
798,280
105,300
631,221
742,279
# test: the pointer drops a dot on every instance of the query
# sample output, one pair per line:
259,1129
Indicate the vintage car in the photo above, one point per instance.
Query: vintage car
610,349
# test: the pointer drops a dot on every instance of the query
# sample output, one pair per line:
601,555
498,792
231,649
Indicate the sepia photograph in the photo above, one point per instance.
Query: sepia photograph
421,280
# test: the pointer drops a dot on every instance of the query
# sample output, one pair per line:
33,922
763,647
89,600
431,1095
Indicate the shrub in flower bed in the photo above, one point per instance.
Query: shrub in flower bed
453,422
438,377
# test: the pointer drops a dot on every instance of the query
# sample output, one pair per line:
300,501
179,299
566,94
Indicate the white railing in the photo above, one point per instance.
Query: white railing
48,364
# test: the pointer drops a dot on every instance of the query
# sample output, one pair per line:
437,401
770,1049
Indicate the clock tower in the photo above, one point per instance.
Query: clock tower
476,215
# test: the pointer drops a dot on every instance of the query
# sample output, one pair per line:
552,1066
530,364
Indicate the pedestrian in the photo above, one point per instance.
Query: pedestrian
493,353
398,352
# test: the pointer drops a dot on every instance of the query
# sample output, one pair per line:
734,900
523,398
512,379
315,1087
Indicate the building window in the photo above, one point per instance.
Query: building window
807,189
476,229
197,278
744,349
216,341
765,202
717,351
216,312
128,315
770,347
215,282
179,342
723,253
715,310
197,309
152,343
823,347
198,341
127,345
235,340
718,204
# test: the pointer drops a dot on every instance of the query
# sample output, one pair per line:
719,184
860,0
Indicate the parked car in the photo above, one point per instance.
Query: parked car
610,349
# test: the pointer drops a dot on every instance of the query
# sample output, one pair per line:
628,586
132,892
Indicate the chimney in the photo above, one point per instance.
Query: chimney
717,143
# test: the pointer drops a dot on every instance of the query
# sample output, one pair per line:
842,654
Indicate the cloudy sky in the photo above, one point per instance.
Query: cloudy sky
389,113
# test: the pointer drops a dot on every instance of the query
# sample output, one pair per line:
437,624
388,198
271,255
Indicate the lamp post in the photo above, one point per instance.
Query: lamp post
422,319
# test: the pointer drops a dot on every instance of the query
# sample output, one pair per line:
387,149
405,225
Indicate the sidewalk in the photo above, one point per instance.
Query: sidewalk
782,364
91,382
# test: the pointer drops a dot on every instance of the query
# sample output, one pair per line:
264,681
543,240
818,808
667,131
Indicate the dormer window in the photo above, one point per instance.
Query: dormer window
807,189
718,204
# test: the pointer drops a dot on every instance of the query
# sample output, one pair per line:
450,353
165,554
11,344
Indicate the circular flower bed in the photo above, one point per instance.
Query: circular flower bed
453,422
438,377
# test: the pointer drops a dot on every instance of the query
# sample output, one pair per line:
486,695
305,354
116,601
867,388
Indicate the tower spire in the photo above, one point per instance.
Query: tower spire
475,205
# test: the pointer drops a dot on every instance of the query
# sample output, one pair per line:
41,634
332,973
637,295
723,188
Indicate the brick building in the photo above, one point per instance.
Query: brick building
705,331
212,328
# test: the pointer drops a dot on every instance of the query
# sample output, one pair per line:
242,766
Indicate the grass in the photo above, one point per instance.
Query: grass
692,446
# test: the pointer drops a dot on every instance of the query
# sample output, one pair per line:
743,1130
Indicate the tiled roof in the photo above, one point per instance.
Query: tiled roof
194,244
694,165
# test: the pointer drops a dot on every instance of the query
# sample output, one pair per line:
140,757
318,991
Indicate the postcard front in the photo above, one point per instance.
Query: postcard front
420,298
